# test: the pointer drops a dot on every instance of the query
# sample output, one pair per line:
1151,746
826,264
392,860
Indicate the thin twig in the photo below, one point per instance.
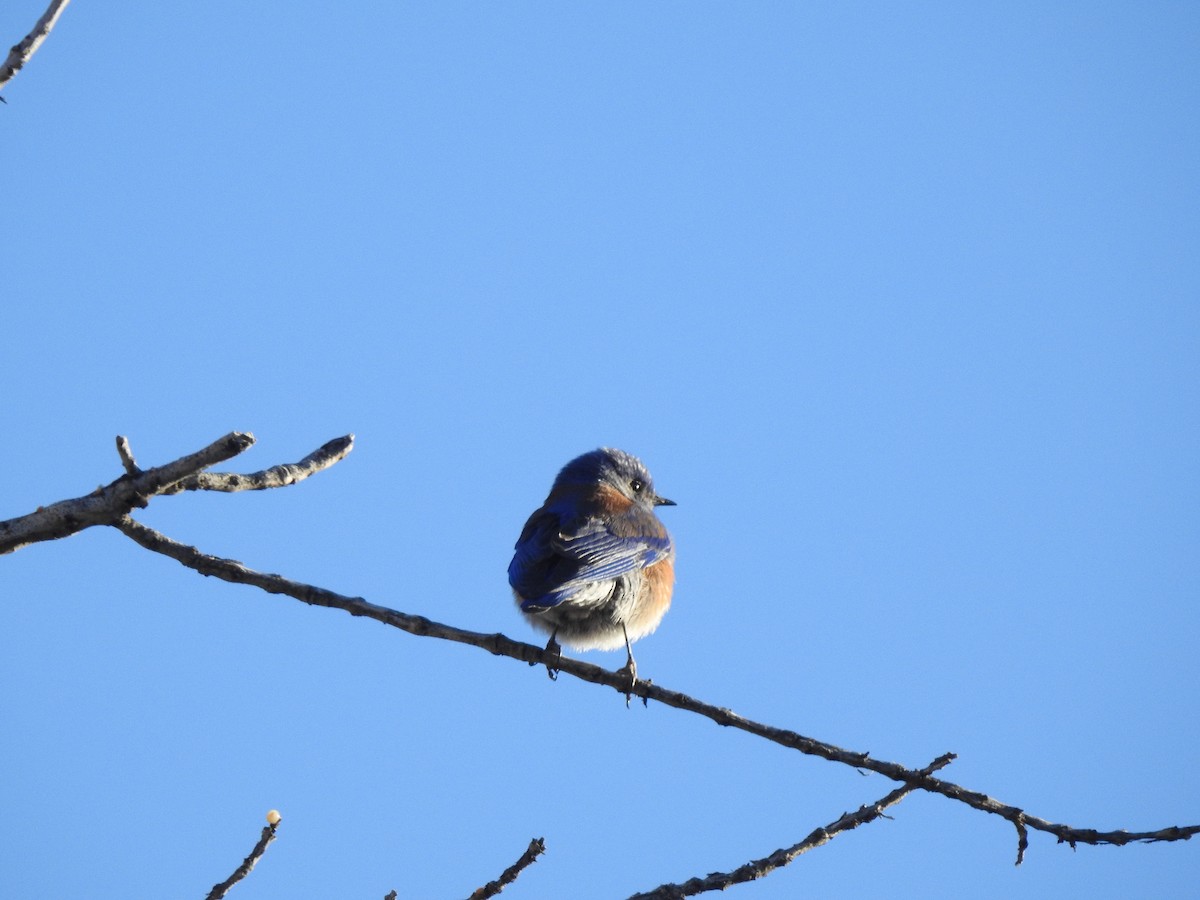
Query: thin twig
498,644
535,849
220,890
719,881
276,476
126,453
21,52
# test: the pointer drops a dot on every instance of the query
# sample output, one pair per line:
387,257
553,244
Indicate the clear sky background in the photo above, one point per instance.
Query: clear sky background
900,303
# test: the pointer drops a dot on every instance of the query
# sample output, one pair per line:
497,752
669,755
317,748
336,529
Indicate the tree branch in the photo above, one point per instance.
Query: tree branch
498,644
109,502
20,53
268,835
111,505
759,868
535,849
277,476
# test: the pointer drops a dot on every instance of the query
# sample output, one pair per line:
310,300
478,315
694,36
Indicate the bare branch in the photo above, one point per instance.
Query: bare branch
20,54
751,871
535,849
276,476
220,890
498,644
109,502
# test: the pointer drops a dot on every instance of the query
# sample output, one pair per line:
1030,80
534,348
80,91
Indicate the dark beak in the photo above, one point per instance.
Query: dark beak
663,501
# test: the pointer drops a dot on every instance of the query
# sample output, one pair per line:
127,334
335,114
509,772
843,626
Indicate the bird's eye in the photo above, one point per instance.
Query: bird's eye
637,485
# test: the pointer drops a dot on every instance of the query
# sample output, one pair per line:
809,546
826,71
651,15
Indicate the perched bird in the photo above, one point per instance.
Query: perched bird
594,567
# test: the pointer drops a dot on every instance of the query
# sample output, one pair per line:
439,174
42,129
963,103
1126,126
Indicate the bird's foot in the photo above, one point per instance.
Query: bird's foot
628,672
552,658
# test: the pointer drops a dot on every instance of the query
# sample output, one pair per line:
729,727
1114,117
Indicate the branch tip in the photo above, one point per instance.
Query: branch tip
536,848
126,454
21,52
220,890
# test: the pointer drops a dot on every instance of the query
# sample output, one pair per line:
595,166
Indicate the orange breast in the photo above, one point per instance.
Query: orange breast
655,598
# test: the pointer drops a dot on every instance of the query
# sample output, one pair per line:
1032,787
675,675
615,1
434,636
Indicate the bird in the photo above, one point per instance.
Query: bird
594,567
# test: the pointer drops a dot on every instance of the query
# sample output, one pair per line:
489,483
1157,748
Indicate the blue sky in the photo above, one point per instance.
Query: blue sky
901,305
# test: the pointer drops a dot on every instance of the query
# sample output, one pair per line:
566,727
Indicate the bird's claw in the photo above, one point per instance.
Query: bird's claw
553,649
628,672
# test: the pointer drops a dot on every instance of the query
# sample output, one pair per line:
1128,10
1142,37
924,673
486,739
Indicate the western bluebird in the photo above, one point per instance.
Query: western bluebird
594,565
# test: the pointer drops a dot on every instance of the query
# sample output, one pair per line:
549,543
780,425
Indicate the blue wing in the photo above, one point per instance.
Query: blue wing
552,561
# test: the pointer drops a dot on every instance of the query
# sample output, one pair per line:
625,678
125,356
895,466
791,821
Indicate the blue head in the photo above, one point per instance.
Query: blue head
617,469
